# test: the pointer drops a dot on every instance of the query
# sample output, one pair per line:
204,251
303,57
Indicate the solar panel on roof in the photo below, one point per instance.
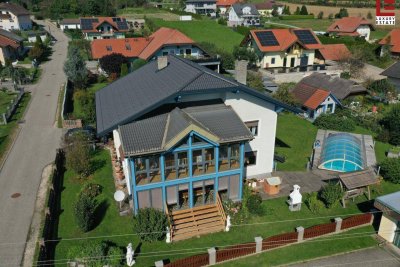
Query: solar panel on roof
267,38
122,25
306,37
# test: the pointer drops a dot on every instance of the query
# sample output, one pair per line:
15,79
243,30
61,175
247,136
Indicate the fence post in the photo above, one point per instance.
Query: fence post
212,256
300,233
258,240
4,118
159,263
338,222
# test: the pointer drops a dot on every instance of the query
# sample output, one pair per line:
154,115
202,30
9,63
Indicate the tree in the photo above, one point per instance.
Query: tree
297,12
124,70
390,170
254,80
35,52
391,122
369,15
275,12
77,154
335,122
112,63
285,95
86,100
303,10
320,15
75,68
150,224
286,10
84,212
331,194
342,13
244,53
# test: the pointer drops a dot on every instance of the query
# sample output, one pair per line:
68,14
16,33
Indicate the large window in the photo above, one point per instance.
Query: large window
147,170
250,158
229,157
253,127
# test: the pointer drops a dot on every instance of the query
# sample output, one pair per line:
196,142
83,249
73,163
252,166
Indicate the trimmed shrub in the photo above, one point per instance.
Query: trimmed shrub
84,212
254,204
390,170
331,194
335,122
313,203
150,224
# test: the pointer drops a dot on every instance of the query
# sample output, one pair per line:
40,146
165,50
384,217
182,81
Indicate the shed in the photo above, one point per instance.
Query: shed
355,183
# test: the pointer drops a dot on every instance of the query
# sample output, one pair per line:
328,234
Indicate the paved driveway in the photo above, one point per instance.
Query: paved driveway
373,257
34,148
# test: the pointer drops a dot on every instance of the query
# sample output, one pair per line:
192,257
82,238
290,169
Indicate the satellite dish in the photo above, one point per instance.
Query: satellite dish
119,195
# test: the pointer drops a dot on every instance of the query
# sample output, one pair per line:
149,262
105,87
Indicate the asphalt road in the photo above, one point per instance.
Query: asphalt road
373,257
34,148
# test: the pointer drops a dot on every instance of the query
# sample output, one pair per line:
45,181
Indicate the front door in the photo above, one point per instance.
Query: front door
292,61
396,240
284,62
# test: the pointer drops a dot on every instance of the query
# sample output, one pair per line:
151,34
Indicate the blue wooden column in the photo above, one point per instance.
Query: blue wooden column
164,190
241,170
216,183
190,162
133,184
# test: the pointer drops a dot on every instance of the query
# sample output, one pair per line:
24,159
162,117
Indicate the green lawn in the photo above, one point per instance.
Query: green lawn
206,31
378,34
315,24
77,113
294,139
276,219
6,131
5,100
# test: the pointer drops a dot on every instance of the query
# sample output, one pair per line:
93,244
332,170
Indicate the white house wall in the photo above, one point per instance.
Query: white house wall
15,22
364,30
387,228
280,57
69,26
176,50
250,108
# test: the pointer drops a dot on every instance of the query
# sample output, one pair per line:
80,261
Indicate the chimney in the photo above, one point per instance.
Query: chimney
162,62
241,71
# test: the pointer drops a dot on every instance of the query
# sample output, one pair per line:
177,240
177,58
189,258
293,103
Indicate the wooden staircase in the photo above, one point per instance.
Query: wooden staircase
197,221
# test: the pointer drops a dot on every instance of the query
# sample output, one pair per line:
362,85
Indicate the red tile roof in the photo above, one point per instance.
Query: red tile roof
348,25
285,38
393,40
226,2
129,47
334,52
265,5
309,96
162,37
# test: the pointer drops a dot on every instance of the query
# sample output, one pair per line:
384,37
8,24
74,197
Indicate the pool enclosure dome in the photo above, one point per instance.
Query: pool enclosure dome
342,152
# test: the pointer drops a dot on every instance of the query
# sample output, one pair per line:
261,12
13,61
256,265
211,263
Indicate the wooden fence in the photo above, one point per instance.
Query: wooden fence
49,232
272,242
5,117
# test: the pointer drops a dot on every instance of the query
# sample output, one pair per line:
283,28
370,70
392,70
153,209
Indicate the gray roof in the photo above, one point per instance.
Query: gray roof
239,9
17,10
391,201
393,71
340,88
151,135
11,35
70,21
147,88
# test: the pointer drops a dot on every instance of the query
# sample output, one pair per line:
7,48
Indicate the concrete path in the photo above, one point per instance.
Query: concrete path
373,257
34,148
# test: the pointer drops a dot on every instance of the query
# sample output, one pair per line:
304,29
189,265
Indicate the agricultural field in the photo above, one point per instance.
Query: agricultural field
148,12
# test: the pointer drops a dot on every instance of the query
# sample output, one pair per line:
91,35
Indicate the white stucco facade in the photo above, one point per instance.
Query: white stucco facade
327,107
22,22
202,8
74,26
246,20
364,31
293,59
387,228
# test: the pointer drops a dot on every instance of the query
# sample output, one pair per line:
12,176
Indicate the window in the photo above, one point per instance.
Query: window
188,51
181,52
250,158
253,127
165,53
272,60
109,48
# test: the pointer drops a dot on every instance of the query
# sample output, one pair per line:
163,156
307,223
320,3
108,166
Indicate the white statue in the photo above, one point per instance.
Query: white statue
168,239
129,255
228,223
295,196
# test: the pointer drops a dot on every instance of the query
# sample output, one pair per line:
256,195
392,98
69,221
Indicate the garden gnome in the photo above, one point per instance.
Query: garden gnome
228,223
129,255
168,239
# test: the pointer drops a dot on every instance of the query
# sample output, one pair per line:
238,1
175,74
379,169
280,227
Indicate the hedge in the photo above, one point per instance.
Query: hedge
294,17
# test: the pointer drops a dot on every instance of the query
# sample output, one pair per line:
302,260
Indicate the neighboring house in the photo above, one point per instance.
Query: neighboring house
265,9
315,101
180,127
330,53
351,26
338,87
283,48
389,227
243,15
11,46
393,75
391,43
14,17
224,5
32,36
70,24
202,7
164,41
103,27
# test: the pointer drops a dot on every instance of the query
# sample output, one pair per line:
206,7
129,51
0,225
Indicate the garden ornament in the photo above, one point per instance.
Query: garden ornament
129,255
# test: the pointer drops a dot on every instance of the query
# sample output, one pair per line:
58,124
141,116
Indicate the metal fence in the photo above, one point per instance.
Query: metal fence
6,117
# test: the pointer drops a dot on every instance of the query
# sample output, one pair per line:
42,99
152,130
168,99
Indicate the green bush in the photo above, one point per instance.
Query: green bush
84,212
254,202
313,203
335,122
331,194
77,154
235,211
295,17
150,224
391,122
92,190
390,170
